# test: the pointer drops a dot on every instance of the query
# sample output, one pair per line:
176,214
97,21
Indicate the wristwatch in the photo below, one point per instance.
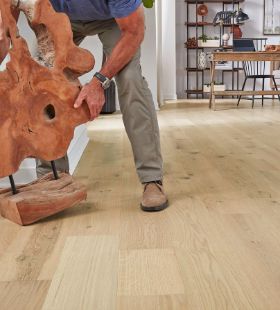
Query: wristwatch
105,82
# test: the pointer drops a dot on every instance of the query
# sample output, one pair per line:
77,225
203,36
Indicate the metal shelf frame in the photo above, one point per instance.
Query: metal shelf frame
200,74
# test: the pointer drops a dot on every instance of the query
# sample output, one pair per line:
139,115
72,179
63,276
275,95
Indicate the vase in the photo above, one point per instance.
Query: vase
237,33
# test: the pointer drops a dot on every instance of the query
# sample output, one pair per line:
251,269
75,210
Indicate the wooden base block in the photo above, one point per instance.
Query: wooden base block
41,199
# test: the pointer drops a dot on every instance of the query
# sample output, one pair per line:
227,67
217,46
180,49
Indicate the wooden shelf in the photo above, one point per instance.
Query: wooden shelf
246,92
196,69
207,69
202,24
216,47
194,91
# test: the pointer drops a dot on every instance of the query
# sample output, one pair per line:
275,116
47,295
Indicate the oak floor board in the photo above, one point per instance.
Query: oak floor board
162,302
149,272
23,295
86,277
92,221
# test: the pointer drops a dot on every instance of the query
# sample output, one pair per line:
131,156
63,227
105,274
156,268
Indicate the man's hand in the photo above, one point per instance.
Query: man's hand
93,94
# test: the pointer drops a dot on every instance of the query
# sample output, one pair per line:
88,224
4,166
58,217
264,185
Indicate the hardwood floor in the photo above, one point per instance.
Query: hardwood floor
216,247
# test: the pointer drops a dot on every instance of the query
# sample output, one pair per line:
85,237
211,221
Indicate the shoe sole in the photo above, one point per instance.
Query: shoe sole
156,208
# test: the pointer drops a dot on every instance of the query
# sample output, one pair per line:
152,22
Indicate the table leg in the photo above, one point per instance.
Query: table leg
212,102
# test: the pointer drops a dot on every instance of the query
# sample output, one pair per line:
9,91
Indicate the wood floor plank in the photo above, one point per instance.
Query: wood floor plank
86,277
89,219
23,295
162,302
149,272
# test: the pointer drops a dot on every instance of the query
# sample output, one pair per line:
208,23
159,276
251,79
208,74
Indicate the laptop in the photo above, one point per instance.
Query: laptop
243,45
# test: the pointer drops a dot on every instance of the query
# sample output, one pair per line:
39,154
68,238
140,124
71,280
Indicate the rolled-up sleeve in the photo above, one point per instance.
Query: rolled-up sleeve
123,8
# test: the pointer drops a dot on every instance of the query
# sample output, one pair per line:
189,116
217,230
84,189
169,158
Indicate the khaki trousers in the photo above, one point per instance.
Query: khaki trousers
136,103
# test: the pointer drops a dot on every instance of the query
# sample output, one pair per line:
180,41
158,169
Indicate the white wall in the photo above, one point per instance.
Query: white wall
166,45
149,53
252,28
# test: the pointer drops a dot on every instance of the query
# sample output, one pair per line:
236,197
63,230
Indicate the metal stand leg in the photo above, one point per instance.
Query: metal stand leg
243,86
13,186
55,174
254,88
276,88
263,90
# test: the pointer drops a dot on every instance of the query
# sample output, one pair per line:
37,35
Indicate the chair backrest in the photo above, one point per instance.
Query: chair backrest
256,68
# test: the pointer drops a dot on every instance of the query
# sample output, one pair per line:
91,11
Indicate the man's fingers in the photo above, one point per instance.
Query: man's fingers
92,109
79,100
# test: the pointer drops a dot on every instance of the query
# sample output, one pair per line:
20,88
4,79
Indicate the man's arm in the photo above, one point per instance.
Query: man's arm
4,40
132,34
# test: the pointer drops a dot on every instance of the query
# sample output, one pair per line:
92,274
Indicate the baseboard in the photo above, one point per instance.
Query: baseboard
25,174
170,97
77,147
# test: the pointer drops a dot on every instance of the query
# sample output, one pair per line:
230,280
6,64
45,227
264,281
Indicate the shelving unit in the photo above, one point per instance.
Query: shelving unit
197,27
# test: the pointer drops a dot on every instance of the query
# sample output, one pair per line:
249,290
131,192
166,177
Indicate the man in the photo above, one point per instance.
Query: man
120,26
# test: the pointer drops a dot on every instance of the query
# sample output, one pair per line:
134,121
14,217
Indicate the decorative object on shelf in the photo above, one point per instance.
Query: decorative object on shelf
229,17
272,48
241,16
217,87
237,33
271,24
226,38
202,10
191,43
224,17
202,61
205,41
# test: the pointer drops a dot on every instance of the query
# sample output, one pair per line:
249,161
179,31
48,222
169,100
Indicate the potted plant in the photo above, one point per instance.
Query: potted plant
205,41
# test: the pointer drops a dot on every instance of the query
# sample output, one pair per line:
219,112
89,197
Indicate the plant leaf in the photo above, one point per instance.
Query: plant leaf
148,3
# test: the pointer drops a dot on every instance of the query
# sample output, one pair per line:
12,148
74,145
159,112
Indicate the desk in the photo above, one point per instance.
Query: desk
239,56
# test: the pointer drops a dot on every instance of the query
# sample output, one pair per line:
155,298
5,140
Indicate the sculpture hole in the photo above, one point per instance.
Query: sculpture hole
49,112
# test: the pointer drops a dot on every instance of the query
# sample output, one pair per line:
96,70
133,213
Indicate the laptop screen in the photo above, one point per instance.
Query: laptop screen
243,45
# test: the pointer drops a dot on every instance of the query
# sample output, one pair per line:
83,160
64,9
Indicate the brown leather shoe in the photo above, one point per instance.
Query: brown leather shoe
154,198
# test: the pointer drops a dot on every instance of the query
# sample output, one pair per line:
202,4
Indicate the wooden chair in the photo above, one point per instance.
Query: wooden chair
275,71
255,70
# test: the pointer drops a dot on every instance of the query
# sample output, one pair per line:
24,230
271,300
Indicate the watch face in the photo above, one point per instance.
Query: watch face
106,84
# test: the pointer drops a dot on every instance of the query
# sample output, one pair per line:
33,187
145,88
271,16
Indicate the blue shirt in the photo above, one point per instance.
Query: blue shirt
90,10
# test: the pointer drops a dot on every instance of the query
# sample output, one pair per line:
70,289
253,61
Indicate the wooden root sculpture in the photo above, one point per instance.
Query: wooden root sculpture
37,117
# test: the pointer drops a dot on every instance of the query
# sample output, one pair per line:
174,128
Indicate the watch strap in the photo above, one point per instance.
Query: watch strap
100,77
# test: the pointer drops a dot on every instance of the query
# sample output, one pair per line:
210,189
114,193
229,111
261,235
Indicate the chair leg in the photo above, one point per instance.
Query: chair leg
243,86
275,85
263,90
254,88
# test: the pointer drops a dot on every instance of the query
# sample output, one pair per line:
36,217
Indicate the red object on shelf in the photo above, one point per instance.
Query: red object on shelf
237,33
202,10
